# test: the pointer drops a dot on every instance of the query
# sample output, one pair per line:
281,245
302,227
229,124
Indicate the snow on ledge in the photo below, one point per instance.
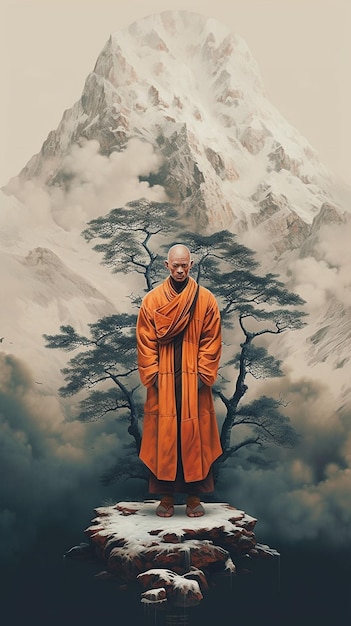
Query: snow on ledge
145,524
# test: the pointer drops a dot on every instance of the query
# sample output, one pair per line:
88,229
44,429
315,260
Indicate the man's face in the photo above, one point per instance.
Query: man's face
179,265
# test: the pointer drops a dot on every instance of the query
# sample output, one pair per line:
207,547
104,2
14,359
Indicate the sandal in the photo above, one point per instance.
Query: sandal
194,507
165,508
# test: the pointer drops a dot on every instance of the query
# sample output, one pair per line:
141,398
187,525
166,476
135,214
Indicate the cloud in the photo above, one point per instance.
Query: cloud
46,461
327,274
314,281
93,184
38,298
99,183
48,458
304,492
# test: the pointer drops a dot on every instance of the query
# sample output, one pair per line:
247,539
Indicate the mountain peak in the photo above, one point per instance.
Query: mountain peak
188,86
179,23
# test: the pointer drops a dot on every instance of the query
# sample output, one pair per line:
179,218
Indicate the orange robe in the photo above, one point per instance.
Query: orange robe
164,314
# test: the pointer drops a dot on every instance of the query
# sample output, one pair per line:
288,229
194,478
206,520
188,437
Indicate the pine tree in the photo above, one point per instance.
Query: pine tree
231,272
130,239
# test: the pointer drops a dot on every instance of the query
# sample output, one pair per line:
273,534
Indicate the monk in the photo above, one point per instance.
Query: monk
179,347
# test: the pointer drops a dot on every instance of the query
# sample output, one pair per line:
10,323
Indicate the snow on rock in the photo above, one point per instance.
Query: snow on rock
167,586
179,554
154,596
190,87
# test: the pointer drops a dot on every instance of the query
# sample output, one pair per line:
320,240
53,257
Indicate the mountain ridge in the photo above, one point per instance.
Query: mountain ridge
222,143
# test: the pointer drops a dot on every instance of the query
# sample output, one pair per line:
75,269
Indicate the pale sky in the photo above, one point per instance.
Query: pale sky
48,47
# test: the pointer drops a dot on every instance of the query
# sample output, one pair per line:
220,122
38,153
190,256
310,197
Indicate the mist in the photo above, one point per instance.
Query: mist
51,277
306,487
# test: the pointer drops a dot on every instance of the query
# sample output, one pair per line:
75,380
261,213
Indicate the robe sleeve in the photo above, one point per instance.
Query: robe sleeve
147,348
210,344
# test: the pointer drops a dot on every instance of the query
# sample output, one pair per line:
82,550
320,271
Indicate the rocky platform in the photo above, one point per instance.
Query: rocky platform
174,560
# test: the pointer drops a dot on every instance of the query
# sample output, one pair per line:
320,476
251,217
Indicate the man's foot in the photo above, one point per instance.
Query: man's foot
166,507
194,507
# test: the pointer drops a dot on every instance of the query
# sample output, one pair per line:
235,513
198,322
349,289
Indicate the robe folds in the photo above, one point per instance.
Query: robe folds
163,316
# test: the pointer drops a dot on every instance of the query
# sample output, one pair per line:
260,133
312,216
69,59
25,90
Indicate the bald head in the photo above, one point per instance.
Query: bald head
178,249
179,262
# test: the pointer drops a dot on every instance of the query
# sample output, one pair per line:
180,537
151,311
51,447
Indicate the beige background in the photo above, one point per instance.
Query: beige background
48,47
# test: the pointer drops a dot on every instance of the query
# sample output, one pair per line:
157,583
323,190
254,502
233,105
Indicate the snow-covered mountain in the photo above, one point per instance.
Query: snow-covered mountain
191,88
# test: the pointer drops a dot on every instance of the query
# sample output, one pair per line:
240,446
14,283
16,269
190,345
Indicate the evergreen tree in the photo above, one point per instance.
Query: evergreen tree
230,271
104,371
125,235
261,305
